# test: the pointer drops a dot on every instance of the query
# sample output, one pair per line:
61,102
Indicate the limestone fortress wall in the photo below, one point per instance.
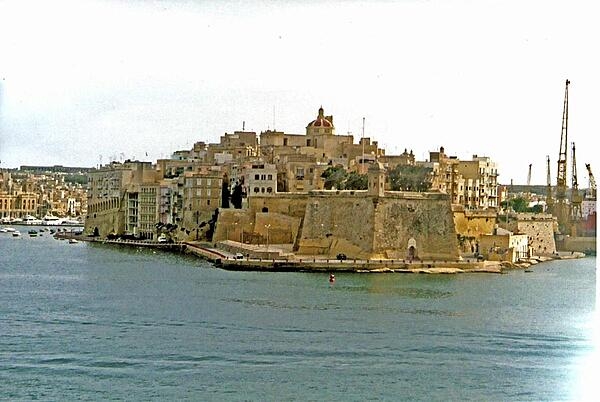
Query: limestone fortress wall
399,225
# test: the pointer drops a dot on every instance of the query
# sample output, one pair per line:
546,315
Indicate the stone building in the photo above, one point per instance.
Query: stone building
504,246
260,179
481,184
201,197
539,228
113,198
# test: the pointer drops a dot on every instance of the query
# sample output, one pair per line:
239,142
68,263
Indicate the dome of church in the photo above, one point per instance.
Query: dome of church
321,120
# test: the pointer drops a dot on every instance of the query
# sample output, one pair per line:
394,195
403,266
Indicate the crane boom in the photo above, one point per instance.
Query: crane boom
592,193
576,197
561,176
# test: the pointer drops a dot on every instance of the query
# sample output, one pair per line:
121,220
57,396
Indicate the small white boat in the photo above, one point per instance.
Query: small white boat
16,233
73,241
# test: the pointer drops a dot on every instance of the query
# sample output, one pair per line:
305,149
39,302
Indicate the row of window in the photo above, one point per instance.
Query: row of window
257,190
263,177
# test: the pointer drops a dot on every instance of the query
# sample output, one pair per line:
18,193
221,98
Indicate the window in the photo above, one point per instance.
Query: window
263,177
256,189
269,190
285,142
256,177
270,177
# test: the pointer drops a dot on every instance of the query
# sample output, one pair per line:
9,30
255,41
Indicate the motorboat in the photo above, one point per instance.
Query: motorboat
32,233
73,241
16,233
32,220
51,220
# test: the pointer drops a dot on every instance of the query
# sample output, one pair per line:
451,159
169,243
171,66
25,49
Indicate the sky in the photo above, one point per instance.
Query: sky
86,82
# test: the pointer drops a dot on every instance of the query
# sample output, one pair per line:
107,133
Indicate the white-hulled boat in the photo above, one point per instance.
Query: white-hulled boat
51,220
32,220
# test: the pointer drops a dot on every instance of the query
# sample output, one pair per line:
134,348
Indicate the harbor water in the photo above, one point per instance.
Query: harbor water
97,322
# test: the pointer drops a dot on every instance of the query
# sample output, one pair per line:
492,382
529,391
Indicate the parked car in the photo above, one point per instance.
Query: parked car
238,256
341,256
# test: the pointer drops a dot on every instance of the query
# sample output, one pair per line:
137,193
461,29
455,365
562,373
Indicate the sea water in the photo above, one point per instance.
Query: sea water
97,322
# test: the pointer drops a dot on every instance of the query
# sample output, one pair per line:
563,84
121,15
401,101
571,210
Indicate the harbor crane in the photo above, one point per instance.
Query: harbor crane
561,209
592,190
576,197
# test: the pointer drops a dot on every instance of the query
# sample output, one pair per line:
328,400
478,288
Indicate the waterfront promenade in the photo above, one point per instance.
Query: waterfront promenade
235,256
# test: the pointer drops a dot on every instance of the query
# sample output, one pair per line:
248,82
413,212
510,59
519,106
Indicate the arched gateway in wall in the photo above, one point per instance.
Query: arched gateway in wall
411,249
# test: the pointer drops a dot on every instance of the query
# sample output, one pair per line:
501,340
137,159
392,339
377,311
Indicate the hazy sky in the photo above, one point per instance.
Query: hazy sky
83,82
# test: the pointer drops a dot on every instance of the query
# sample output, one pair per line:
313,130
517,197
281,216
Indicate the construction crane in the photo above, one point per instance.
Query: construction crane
576,197
561,209
592,190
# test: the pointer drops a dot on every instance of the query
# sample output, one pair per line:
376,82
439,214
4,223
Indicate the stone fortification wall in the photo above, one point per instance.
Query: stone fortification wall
107,221
423,221
258,228
582,244
474,223
291,204
539,229
354,223
340,222
230,224
364,226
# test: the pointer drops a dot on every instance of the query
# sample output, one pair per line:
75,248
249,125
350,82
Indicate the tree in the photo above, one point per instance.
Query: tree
225,194
355,181
334,177
519,204
236,196
410,178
